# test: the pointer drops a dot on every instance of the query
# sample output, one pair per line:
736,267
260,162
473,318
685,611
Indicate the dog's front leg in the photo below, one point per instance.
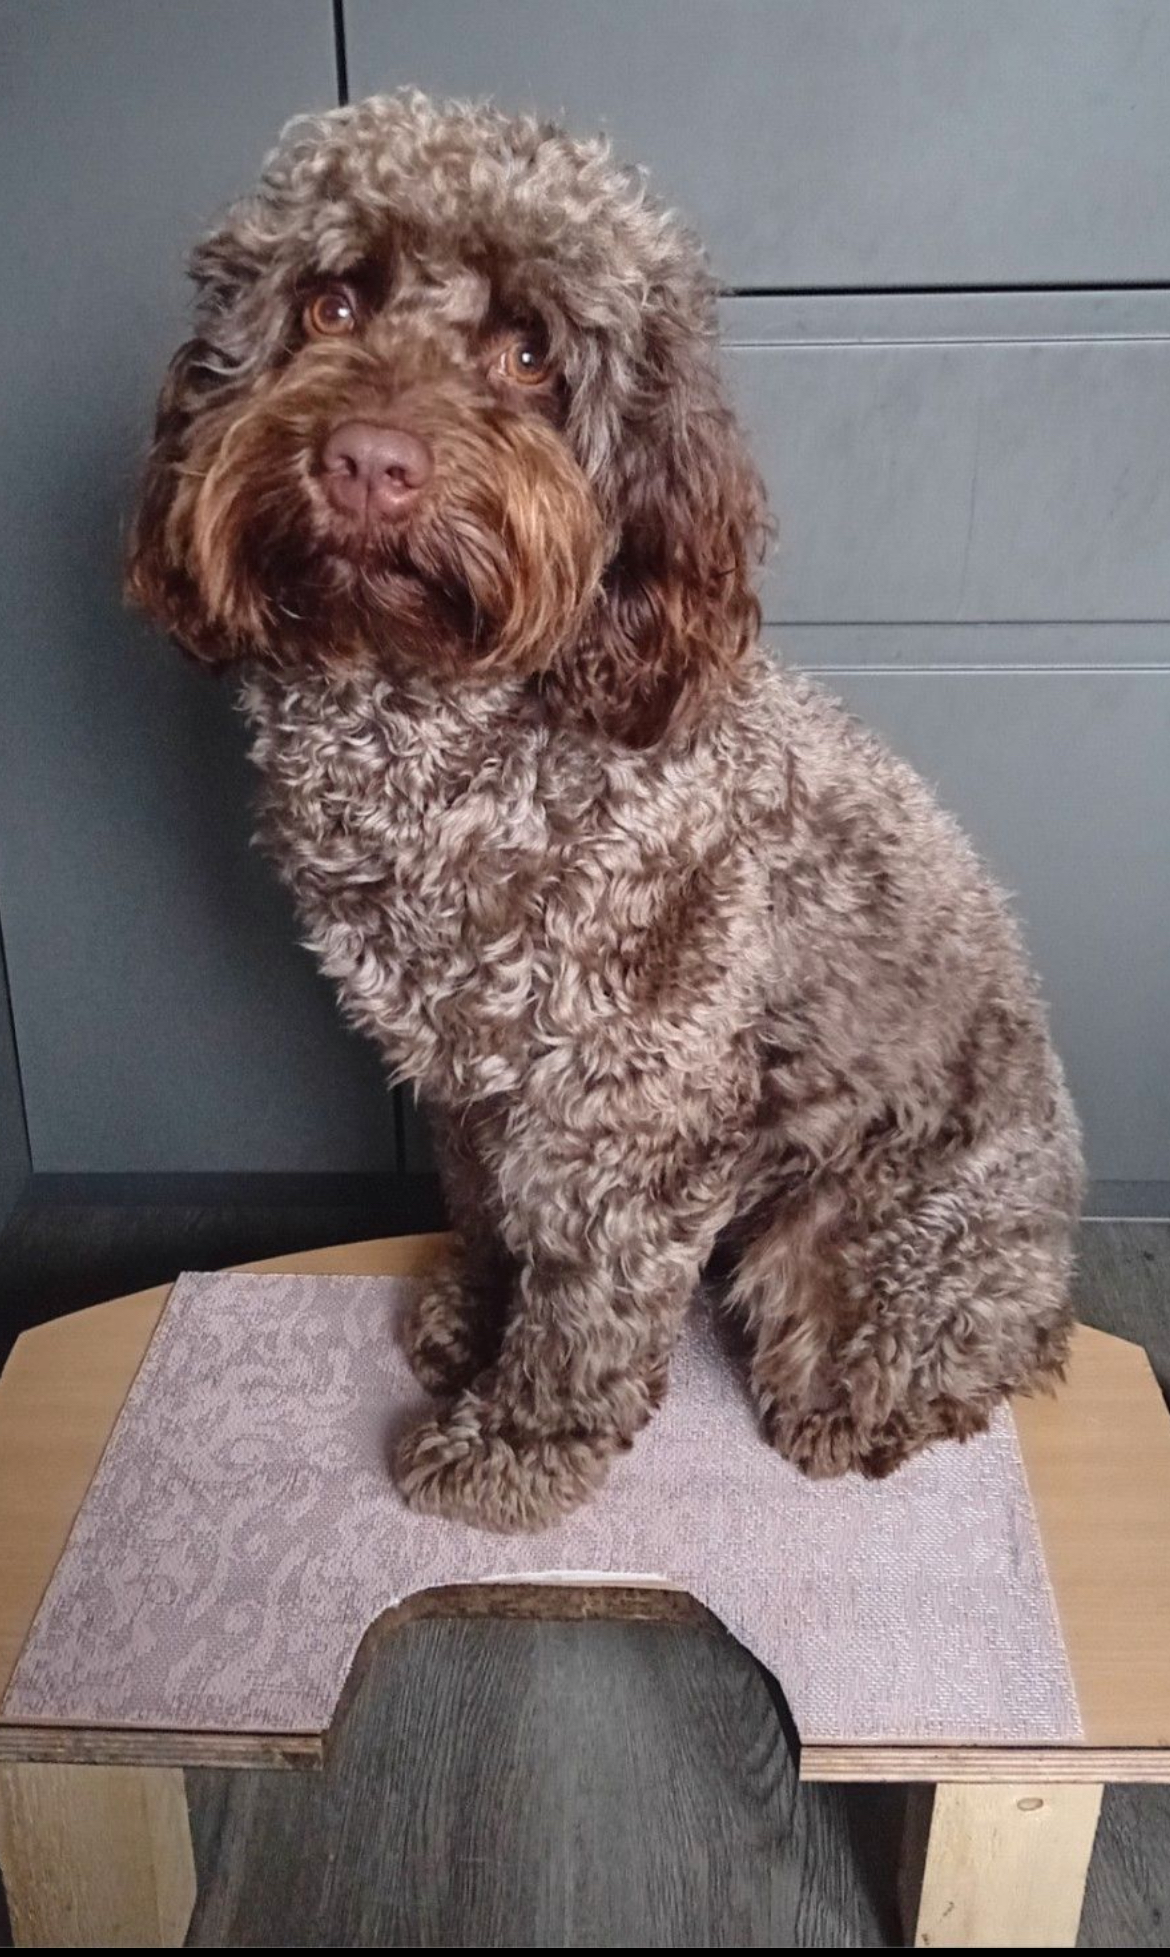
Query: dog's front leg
582,1365
452,1325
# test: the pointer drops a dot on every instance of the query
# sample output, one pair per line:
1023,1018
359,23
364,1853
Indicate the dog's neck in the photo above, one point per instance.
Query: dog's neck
355,695
380,744
409,738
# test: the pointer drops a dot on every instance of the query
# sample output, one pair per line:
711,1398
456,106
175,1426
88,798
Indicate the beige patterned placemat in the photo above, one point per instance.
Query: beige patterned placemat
242,1531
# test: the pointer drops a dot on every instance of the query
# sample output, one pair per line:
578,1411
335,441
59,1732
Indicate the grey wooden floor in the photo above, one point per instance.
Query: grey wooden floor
602,1785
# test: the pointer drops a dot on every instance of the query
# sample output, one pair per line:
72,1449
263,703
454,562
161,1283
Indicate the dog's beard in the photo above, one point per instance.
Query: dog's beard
494,570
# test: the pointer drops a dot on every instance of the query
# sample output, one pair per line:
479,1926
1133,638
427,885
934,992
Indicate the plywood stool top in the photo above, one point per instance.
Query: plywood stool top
1098,1463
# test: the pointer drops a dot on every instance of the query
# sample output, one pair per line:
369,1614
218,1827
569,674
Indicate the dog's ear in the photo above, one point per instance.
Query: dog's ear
157,575
678,608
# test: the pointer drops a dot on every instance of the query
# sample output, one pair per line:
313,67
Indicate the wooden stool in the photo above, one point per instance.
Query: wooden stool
94,1838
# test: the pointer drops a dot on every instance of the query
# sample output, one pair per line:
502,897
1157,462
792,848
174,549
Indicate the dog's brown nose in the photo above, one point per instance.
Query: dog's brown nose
368,470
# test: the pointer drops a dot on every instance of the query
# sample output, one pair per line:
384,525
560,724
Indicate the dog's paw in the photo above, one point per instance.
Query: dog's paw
447,1333
825,1443
821,1445
455,1468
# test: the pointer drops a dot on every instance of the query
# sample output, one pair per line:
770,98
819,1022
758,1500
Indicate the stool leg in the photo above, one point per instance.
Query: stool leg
96,1856
988,1867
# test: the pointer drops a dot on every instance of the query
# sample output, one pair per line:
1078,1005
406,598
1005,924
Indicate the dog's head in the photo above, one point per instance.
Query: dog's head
451,400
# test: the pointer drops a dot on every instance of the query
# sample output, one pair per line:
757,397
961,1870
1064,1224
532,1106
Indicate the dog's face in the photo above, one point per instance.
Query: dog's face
450,402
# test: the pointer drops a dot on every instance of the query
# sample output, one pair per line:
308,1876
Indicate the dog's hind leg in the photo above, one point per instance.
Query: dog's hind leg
882,1318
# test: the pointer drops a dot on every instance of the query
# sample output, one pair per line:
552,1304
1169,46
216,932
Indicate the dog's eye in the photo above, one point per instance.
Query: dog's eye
330,313
525,361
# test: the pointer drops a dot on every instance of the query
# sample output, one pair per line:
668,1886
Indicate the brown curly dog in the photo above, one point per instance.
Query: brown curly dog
676,954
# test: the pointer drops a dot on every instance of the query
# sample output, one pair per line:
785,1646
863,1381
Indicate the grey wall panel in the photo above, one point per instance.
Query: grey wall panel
1054,647
14,1156
842,142
909,318
166,1018
928,466
1061,779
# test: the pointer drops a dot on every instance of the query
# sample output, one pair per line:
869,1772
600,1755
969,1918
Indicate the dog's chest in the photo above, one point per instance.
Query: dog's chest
474,896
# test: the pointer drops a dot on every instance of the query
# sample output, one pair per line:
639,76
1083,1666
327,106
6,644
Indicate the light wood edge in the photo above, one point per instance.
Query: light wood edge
131,1746
1103,1512
1034,1842
971,1765
96,1856
857,1764
125,1327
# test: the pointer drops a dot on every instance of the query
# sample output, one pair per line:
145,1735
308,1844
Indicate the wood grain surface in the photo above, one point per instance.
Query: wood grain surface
96,1856
1001,1867
538,1785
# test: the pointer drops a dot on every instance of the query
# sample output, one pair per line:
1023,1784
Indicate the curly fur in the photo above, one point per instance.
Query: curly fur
677,956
